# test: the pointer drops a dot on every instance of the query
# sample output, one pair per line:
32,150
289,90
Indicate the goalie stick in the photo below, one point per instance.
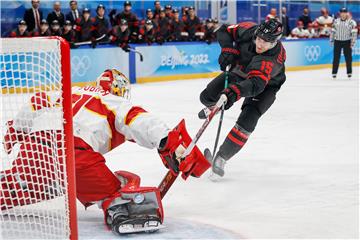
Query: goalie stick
170,177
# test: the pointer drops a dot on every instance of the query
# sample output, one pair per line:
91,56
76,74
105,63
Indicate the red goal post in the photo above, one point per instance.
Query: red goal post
30,66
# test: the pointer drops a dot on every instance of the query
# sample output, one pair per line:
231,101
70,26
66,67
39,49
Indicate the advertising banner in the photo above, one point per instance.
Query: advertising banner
313,52
177,60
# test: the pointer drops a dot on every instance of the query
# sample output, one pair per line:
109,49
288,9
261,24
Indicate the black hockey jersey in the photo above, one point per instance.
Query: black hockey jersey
256,70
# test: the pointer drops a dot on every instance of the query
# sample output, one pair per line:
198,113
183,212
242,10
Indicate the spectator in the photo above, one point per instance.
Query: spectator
33,16
325,23
313,29
147,33
44,29
157,8
168,12
193,25
100,23
210,35
299,31
55,28
163,33
285,22
120,35
272,14
84,26
74,14
20,31
305,18
177,28
68,33
131,18
56,15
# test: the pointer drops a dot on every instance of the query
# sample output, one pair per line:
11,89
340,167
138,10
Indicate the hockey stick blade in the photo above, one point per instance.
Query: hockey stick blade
137,52
208,155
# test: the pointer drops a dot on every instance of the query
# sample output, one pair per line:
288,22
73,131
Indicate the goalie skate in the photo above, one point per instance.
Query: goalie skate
147,224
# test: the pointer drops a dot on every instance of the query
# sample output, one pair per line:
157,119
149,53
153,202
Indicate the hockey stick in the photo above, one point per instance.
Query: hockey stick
170,178
90,42
136,51
222,111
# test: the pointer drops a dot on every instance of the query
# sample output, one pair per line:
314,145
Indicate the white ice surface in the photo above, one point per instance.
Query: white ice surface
297,177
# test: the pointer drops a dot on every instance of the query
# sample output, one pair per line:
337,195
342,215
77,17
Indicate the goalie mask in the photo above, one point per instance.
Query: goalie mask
115,82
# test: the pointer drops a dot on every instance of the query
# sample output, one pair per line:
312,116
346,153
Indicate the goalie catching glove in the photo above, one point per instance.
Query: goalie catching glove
173,147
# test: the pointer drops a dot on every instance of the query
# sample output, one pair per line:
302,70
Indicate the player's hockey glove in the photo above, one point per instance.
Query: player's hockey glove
171,150
227,57
126,47
233,94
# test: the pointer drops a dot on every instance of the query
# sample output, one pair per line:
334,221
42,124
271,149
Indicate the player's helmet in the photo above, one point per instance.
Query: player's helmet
269,31
115,82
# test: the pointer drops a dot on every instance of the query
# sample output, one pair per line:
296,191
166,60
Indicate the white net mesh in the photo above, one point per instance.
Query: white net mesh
34,197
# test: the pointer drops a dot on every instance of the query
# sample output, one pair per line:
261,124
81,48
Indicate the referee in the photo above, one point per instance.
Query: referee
343,36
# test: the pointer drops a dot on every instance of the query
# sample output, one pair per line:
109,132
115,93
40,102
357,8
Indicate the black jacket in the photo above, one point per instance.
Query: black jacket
305,19
52,16
286,27
29,18
71,18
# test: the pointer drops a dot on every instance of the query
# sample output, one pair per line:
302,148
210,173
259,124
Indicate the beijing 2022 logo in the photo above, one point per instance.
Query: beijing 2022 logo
312,53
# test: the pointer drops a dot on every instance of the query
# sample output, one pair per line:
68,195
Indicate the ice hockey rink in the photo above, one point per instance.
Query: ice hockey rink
297,177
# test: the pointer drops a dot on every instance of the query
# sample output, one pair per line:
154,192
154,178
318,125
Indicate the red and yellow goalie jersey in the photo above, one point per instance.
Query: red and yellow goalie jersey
102,120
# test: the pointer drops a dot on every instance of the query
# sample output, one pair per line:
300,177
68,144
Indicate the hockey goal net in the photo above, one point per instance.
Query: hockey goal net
37,190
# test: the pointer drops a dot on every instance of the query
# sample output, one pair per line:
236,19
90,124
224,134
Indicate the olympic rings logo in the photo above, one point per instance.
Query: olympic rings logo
312,53
80,65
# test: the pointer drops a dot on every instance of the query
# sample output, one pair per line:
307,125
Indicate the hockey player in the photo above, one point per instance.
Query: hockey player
163,31
55,28
120,35
68,33
193,26
103,118
20,31
257,58
147,33
130,17
101,24
44,29
84,26
177,28
210,35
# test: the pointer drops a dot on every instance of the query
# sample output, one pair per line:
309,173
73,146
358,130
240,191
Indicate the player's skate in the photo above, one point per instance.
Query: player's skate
218,165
